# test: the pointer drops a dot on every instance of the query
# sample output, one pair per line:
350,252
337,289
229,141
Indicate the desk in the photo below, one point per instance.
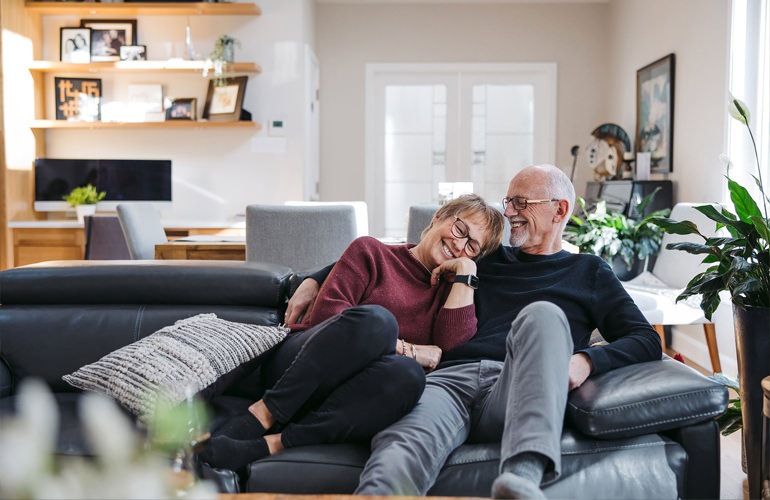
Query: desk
201,250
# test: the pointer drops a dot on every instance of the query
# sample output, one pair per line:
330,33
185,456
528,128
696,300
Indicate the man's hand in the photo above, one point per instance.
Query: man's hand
301,302
579,369
428,356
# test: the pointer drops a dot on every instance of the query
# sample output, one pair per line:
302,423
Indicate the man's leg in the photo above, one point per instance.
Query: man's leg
529,395
407,456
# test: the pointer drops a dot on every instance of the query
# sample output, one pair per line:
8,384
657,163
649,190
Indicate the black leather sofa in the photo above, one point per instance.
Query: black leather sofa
643,431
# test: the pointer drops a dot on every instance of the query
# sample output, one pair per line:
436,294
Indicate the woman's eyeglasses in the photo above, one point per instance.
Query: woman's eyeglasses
461,231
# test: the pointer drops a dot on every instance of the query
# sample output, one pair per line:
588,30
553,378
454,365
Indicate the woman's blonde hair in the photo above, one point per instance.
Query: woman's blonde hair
471,205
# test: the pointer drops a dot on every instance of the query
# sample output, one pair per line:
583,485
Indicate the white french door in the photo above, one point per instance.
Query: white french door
429,123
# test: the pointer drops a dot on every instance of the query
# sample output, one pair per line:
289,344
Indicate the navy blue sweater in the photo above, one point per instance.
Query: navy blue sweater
582,285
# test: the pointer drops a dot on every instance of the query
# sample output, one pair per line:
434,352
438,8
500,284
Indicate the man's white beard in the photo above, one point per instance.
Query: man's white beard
519,238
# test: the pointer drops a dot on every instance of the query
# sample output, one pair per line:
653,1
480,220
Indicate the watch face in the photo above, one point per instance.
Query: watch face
473,281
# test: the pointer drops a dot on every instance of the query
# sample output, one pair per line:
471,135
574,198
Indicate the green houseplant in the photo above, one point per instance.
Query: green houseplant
84,199
739,266
616,238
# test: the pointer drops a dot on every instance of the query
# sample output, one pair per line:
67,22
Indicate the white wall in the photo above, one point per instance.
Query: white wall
217,172
598,48
697,31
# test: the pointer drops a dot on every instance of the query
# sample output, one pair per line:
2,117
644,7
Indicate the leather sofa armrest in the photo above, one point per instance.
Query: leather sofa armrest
644,398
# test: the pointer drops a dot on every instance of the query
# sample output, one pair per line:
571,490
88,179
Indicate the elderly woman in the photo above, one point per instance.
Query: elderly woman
381,319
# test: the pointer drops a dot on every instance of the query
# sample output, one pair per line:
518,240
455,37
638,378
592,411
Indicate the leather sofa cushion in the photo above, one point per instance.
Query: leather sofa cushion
644,398
146,282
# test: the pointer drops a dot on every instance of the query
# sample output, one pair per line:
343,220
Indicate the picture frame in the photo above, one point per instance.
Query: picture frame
655,113
75,45
224,99
78,99
133,52
183,108
108,35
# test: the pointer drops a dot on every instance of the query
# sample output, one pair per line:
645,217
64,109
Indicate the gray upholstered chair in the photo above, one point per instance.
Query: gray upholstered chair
305,238
142,228
104,238
419,218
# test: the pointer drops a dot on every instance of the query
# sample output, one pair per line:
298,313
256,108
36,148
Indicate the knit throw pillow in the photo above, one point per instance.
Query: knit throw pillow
166,366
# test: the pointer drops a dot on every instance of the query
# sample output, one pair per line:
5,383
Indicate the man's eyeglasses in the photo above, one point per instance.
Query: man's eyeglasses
460,231
520,203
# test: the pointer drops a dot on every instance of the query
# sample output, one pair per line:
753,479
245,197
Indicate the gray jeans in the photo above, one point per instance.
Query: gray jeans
475,401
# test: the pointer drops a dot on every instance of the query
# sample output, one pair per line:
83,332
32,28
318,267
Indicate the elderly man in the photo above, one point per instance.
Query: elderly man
537,306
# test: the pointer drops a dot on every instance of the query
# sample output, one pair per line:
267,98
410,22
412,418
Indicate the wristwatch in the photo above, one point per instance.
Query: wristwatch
467,279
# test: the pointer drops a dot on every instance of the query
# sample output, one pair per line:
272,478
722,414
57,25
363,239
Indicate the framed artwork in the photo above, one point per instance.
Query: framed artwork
75,45
78,99
133,52
655,113
182,109
224,99
107,36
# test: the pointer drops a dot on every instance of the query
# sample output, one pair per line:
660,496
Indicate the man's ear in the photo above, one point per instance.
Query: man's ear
562,210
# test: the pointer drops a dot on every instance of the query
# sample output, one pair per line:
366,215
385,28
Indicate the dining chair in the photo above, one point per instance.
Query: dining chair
361,208
142,228
305,238
104,238
670,273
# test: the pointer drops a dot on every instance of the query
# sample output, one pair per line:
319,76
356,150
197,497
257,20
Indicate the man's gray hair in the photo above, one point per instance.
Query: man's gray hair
559,185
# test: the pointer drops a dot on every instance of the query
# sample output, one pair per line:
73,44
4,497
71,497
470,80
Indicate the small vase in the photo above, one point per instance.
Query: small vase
229,52
83,210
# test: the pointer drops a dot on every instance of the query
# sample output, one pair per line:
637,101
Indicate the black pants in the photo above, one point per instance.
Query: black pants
341,381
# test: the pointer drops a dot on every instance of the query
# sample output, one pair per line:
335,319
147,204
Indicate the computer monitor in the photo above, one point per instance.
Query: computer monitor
122,180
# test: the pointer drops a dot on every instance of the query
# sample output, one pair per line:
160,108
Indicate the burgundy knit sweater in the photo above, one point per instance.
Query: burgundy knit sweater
372,272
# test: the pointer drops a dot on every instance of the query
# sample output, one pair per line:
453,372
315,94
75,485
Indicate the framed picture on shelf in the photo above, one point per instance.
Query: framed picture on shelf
133,52
78,99
655,113
224,99
75,45
107,36
182,109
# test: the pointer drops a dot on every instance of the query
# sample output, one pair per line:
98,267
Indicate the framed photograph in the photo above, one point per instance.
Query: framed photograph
224,99
107,36
182,109
75,45
655,113
133,52
78,99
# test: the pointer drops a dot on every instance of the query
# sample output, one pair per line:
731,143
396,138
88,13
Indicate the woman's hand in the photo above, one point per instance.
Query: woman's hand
452,267
428,356
301,302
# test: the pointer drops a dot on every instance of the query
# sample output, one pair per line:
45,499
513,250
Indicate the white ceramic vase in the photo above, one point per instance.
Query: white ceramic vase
83,210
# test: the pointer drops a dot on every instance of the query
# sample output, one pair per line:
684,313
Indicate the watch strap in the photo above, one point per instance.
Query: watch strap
467,279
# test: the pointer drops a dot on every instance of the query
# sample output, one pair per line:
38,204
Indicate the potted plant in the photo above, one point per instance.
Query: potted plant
739,266
84,199
623,242
222,55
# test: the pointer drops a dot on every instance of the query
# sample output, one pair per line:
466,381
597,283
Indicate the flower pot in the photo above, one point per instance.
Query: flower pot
752,345
83,210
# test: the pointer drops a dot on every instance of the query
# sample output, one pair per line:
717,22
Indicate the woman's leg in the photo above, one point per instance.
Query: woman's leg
381,393
336,350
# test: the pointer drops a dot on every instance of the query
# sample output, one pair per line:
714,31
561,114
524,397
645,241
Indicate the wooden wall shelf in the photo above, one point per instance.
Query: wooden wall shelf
137,66
143,9
66,125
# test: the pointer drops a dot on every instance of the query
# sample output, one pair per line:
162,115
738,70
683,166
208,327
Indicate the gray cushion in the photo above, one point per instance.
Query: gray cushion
164,367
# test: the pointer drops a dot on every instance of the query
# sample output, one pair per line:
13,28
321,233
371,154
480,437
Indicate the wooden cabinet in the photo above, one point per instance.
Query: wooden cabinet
39,69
